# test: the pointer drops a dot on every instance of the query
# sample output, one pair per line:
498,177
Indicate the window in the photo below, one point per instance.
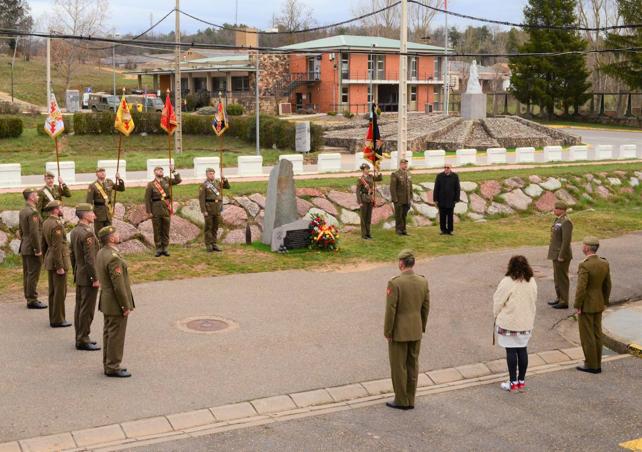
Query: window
413,94
345,97
345,65
412,68
376,65
437,73
241,83
369,96
219,84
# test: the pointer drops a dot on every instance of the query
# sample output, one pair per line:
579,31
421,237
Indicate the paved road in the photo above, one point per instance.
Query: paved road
594,137
298,330
562,411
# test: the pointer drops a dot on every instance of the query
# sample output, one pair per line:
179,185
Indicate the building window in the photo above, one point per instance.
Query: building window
412,68
437,74
219,84
241,83
369,96
345,66
376,66
345,97
413,94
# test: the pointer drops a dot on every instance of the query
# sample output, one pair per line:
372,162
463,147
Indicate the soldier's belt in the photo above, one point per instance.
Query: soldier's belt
211,200
99,203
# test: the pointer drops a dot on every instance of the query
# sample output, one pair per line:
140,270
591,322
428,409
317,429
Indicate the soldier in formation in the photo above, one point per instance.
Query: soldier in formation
210,198
99,195
51,192
559,251
401,194
84,247
366,198
116,301
57,263
30,234
158,205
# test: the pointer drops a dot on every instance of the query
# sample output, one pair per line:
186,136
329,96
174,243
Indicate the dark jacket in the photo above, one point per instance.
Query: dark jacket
447,190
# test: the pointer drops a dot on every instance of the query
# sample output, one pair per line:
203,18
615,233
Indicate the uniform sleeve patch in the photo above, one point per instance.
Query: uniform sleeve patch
35,218
90,240
388,291
58,231
118,270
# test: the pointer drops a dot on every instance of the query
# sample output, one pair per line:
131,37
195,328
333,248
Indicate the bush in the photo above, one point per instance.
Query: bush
332,113
348,114
197,125
67,120
7,108
148,123
316,137
10,127
234,109
209,110
101,123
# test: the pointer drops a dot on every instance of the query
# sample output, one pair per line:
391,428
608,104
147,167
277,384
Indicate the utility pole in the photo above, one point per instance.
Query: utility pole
48,72
13,64
256,108
113,62
178,98
402,139
446,73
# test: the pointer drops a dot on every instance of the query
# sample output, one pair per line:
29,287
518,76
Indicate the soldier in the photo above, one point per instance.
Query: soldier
366,198
559,251
51,192
591,296
401,193
57,263
210,198
30,234
407,306
84,247
157,204
99,195
116,301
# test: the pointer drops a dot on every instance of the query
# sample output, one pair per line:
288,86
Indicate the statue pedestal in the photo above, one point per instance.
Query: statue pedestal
473,106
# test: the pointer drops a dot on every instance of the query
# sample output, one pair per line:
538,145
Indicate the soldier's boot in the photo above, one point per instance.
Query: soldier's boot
159,253
215,247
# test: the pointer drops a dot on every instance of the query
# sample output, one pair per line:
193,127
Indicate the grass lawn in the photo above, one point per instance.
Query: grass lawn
30,79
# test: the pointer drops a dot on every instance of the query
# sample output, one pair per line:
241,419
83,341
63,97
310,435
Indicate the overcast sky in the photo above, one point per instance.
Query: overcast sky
127,16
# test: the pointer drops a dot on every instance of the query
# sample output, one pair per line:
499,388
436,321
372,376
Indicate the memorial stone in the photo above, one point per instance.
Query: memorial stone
280,205
302,139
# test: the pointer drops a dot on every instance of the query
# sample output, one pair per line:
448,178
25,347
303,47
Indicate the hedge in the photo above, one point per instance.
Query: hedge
10,127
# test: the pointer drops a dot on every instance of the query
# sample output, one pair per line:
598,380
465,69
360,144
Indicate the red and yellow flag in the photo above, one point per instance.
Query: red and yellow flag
54,125
124,122
168,117
219,123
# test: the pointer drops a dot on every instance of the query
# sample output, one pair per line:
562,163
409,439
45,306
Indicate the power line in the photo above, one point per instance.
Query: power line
513,24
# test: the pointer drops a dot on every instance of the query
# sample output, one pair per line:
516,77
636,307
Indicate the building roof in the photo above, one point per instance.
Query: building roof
352,42
220,59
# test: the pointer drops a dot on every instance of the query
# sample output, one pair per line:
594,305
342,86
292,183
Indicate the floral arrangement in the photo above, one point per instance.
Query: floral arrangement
322,235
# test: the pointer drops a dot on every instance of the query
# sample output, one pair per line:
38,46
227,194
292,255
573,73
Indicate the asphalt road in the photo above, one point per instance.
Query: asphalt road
562,411
605,136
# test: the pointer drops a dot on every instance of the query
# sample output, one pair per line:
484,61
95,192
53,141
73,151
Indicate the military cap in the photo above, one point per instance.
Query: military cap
591,241
158,168
99,169
29,190
53,204
364,166
405,254
210,170
561,205
49,174
84,207
107,230
403,161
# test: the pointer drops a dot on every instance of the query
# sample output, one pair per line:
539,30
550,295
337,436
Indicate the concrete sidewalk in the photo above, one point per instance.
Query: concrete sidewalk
622,327
297,330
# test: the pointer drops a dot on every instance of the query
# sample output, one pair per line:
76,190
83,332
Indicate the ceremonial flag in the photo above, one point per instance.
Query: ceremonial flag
373,149
124,122
219,123
168,117
54,125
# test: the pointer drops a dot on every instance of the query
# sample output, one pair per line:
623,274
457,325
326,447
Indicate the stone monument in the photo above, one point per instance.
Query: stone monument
302,137
280,205
473,101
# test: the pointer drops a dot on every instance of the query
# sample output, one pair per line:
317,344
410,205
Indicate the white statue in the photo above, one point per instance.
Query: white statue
473,80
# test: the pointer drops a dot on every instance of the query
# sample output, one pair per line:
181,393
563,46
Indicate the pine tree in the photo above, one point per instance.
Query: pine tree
628,66
555,81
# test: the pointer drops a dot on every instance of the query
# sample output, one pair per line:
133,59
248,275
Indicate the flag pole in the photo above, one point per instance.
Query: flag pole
57,160
120,144
171,194
221,159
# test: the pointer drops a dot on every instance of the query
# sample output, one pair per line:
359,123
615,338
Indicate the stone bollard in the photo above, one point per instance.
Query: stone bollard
10,175
67,171
110,168
329,162
495,156
434,158
153,163
202,163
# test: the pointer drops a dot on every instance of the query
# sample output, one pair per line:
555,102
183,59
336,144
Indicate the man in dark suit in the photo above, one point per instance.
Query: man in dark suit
446,195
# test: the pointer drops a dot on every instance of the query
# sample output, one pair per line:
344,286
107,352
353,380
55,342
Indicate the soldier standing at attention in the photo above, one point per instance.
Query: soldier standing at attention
407,306
57,263
157,204
210,199
30,234
592,295
51,192
366,198
99,195
401,193
559,251
116,301
84,247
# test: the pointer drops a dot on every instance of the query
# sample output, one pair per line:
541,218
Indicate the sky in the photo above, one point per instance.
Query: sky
126,16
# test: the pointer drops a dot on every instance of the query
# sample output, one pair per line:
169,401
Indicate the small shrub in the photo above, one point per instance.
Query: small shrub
148,123
7,108
234,109
316,137
197,125
348,114
332,113
10,127
93,123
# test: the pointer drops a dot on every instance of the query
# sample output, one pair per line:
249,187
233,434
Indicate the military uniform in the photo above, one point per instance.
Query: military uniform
407,306
47,194
84,247
30,230
401,193
591,297
366,198
559,251
115,298
210,198
99,195
56,257
157,204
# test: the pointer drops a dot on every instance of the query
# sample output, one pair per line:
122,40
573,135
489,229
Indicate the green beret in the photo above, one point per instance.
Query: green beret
53,204
210,170
591,241
364,166
27,191
84,207
107,230
405,254
100,169
403,161
49,174
561,205
158,168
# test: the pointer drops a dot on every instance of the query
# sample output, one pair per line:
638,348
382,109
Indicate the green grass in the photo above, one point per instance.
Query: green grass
30,79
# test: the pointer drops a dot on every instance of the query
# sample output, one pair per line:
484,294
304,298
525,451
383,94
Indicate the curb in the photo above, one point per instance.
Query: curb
280,408
618,343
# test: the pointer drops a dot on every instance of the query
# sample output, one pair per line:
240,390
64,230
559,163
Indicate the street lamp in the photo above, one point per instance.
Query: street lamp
113,61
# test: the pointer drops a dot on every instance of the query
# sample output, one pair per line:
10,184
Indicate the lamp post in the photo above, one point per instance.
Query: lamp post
113,61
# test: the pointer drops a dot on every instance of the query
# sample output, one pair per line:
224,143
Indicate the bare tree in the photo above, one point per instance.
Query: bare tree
421,17
76,17
386,23
294,16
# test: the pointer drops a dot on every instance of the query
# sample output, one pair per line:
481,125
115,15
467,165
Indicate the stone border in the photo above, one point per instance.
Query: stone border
280,408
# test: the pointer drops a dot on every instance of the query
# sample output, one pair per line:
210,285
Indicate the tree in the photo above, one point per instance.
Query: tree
294,16
16,15
551,81
385,24
421,17
627,67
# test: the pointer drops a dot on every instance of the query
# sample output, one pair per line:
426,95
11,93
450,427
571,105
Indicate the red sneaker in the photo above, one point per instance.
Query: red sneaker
521,386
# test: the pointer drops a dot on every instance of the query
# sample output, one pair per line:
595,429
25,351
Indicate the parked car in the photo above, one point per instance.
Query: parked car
103,102
145,102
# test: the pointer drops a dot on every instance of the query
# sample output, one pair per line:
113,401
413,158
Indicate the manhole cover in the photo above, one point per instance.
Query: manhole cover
206,324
